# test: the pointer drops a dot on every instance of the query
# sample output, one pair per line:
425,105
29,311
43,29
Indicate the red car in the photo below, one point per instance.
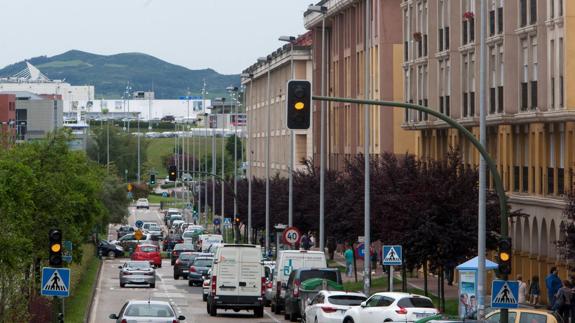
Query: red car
148,252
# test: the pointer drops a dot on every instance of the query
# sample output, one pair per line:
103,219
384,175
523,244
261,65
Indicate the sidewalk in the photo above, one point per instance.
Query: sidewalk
450,292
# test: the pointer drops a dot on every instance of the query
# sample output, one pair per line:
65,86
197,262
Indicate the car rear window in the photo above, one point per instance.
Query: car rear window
139,265
415,302
186,256
203,262
349,300
181,246
149,249
323,274
153,310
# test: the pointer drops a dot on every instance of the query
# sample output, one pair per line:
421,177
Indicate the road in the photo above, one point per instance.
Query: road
187,300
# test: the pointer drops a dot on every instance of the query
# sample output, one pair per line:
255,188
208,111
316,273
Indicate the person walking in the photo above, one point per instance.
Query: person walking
348,254
522,297
553,283
305,243
563,300
534,291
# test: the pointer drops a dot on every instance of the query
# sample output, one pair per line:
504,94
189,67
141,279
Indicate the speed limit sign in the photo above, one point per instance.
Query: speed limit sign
291,236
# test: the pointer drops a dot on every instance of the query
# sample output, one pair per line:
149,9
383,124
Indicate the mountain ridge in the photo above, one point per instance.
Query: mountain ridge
110,74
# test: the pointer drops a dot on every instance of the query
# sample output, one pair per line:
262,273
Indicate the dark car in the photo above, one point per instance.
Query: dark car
106,248
123,230
172,240
297,276
179,248
199,270
182,265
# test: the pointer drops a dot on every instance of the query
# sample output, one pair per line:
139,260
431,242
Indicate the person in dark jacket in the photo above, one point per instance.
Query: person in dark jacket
553,283
563,300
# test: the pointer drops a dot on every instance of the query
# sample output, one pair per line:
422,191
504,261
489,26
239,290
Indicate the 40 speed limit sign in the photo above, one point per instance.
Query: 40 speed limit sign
291,236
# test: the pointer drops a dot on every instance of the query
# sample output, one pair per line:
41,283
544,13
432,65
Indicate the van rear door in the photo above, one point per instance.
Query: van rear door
227,273
250,272
314,260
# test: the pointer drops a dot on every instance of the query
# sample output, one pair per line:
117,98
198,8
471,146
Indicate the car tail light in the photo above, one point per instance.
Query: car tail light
401,310
214,282
124,321
270,285
176,321
263,288
192,269
296,288
328,309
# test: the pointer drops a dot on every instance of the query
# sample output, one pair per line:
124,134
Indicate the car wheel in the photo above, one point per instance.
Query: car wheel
176,277
286,316
153,285
213,309
277,309
273,307
259,312
190,283
122,285
293,317
315,321
111,254
204,297
348,320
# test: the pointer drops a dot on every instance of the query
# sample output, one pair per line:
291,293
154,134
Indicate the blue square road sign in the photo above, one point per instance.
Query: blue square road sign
55,282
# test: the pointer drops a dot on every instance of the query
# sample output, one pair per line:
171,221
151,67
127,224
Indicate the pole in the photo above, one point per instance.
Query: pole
391,279
199,179
268,134
482,172
291,152
322,142
139,135
214,167
108,145
223,160
236,160
366,155
249,173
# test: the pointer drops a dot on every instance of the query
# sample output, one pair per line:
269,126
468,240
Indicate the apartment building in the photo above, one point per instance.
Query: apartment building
345,52
530,116
276,69
7,120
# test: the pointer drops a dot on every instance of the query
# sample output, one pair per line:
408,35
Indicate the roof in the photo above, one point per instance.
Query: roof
399,294
337,292
473,264
23,95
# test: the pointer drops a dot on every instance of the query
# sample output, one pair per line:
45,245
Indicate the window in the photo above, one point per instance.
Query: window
532,11
468,23
496,317
535,73
418,302
527,9
495,17
561,73
552,77
524,74
373,301
531,318
522,13
406,33
443,18
421,29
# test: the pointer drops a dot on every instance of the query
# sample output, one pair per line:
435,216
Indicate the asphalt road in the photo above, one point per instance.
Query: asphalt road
186,300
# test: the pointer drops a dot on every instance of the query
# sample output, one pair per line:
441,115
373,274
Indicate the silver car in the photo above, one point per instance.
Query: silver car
147,311
137,272
269,268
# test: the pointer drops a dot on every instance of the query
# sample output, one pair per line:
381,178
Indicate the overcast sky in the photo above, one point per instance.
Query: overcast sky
226,35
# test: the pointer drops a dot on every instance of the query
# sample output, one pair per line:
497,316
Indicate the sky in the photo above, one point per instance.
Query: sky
225,35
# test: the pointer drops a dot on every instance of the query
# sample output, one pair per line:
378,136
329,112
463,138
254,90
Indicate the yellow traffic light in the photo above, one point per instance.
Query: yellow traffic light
299,105
56,247
504,256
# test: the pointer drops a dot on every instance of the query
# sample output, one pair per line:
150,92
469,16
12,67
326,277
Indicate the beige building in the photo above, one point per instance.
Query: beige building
530,106
256,97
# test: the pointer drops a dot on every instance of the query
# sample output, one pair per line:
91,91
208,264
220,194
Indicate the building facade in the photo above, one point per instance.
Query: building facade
530,114
345,36
7,119
278,64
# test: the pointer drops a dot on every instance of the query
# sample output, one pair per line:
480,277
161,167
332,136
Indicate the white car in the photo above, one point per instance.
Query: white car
206,286
330,306
142,204
391,307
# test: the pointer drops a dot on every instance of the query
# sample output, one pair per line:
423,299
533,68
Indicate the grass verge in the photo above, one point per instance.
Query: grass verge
84,276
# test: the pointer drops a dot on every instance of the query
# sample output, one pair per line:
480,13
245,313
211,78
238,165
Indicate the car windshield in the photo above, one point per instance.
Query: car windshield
323,274
154,228
149,310
203,263
186,256
188,234
176,217
139,265
182,246
415,302
349,300
148,249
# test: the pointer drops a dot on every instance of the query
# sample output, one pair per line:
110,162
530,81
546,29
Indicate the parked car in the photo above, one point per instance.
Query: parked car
199,269
517,315
330,306
148,310
287,261
237,280
149,253
206,285
293,303
137,272
182,264
106,248
393,307
179,248
123,230
142,203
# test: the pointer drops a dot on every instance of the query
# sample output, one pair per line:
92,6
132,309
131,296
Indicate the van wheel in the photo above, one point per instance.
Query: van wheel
277,309
293,317
213,309
259,312
348,320
190,284
176,277
273,307
204,297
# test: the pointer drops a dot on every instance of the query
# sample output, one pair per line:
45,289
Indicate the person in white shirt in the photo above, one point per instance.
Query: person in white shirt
522,298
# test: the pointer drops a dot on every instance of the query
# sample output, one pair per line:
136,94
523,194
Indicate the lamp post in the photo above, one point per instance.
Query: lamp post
249,147
291,40
223,101
366,145
268,60
139,135
323,11
233,90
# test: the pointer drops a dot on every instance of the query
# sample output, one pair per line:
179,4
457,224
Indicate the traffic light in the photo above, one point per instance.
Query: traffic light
504,256
298,104
152,179
237,221
173,173
55,238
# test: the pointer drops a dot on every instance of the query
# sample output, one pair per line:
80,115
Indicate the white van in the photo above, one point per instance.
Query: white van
208,239
238,279
287,261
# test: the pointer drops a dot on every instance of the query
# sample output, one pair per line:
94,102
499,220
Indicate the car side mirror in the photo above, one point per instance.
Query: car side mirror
120,267
363,304
113,316
181,318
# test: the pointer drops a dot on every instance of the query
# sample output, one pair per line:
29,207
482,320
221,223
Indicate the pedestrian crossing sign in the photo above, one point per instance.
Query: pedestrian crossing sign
55,282
504,294
392,255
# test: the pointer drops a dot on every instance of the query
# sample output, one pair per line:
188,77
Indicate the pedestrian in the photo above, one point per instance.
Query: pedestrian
331,245
311,240
572,281
534,290
522,298
348,254
305,243
563,300
373,257
553,283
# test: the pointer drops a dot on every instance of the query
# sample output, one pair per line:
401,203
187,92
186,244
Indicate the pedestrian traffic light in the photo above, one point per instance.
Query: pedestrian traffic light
153,179
55,239
298,104
504,256
173,173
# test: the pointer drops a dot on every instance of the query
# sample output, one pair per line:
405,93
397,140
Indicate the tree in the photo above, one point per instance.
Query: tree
566,245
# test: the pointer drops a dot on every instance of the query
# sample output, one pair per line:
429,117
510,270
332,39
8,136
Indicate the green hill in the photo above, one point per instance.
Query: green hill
110,74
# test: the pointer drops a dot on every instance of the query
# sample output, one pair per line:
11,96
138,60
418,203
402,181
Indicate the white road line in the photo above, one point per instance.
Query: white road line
96,295
271,317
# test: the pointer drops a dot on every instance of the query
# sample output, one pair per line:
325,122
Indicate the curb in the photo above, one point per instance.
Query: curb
94,288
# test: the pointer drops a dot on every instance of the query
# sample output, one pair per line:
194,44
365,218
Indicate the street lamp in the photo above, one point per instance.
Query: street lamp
223,101
248,149
233,90
291,40
322,10
267,60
